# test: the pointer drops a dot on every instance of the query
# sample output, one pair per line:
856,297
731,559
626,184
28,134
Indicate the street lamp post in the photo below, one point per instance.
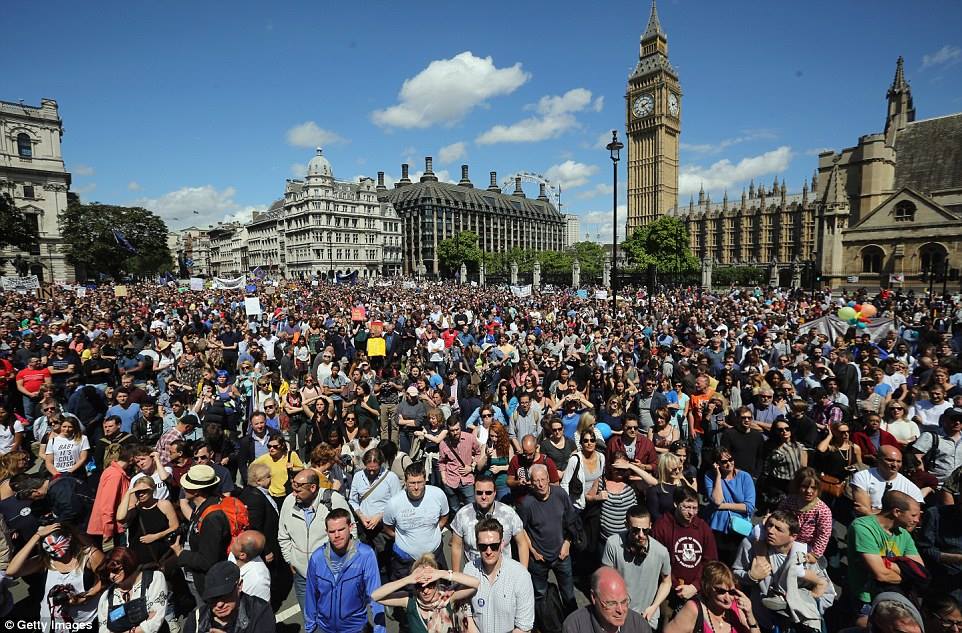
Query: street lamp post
614,148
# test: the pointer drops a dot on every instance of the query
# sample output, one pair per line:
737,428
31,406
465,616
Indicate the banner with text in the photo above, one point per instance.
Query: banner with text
20,284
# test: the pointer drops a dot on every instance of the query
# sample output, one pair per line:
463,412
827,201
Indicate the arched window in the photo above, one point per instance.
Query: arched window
872,257
24,146
931,258
905,211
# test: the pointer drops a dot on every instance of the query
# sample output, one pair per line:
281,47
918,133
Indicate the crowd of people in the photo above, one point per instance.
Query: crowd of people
458,458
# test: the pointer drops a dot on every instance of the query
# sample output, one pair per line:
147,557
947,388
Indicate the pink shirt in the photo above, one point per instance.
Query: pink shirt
451,460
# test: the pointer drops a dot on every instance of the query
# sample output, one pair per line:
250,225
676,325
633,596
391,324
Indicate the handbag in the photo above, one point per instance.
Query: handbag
739,524
576,487
831,486
132,613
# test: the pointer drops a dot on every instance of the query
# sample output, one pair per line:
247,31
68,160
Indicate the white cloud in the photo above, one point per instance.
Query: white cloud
597,224
555,116
724,174
448,89
452,152
599,104
308,134
82,170
199,206
601,189
716,148
298,170
570,174
133,185
947,55
603,140
86,189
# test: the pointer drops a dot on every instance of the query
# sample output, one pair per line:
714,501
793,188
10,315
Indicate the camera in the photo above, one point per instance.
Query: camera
181,532
59,595
47,519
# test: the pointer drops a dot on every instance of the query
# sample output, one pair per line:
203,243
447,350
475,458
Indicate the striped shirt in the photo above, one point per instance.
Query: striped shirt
614,509
507,603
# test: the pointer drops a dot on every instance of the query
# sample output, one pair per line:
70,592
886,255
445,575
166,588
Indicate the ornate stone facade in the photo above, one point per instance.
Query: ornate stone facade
432,211
32,172
653,125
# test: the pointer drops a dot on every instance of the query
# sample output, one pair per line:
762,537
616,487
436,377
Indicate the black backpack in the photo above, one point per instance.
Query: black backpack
549,614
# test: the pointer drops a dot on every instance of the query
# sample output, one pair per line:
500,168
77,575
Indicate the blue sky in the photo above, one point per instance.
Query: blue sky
210,106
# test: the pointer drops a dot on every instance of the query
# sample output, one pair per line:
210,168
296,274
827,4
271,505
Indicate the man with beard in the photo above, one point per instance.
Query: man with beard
643,562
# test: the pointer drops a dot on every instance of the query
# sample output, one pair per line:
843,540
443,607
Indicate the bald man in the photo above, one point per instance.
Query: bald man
869,485
519,468
245,552
610,609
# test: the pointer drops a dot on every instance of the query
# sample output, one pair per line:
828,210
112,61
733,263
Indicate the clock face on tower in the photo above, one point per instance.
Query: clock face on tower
643,105
673,104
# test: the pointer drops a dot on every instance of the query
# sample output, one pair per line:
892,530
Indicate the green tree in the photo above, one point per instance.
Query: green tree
591,255
16,228
461,248
90,246
663,243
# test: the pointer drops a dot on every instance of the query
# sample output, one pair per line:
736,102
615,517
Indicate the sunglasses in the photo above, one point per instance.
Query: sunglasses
731,592
489,547
725,461
487,415
637,530
589,440
141,492
631,427
278,446
484,493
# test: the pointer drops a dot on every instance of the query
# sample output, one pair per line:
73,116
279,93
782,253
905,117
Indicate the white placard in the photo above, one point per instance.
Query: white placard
196,283
853,279
20,284
81,292
601,294
252,305
521,291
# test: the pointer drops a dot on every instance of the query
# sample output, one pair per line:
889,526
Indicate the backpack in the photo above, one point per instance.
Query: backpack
550,612
236,513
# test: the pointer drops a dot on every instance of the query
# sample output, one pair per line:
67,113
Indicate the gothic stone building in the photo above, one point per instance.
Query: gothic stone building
432,211
891,206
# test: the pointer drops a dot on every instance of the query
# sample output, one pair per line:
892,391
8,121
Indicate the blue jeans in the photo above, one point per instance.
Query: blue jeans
300,588
29,408
562,572
459,497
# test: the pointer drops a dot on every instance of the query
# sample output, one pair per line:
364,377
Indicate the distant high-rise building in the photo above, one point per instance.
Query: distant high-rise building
573,234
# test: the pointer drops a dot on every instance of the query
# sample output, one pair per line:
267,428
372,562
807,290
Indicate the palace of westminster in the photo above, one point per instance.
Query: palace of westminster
884,212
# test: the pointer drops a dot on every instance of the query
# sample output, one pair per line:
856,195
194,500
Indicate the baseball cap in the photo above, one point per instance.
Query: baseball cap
221,579
412,390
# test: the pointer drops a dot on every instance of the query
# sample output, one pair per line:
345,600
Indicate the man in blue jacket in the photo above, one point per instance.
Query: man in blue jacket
341,576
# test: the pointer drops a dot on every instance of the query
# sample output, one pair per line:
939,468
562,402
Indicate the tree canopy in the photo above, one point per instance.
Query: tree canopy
90,245
458,249
663,243
16,228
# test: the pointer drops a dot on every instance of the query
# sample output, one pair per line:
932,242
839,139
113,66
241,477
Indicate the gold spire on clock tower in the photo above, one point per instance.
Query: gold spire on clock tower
653,126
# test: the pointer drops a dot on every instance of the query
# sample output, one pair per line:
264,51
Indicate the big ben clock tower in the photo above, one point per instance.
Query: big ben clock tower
653,125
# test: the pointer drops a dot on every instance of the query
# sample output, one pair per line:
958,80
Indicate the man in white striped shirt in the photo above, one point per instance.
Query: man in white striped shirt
504,602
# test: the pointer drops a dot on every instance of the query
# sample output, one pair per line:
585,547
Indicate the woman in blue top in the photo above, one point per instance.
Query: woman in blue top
731,502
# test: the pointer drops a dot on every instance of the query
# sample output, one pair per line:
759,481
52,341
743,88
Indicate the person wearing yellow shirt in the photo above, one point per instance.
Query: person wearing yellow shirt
284,464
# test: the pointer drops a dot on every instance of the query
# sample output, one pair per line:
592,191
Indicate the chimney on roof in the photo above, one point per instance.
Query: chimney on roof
404,176
518,191
380,181
494,182
465,181
542,194
429,170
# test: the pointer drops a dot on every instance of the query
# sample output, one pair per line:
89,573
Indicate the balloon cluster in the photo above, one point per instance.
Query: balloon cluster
857,314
